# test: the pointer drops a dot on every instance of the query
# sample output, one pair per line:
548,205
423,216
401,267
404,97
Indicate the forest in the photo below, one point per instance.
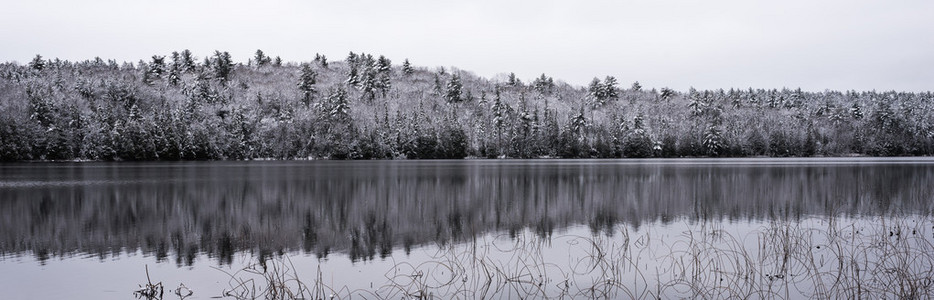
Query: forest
181,107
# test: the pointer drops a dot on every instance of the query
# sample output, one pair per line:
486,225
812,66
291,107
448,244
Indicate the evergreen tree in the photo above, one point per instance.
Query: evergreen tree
369,84
85,89
578,123
261,58
157,66
383,65
407,67
698,102
667,94
145,74
438,87
713,140
636,87
340,107
454,86
522,131
595,88
352,59
609,88
37,63
353,79
177,62
544,84
277,62
600,93
512,80
306,82
551,131
40,108
637,142
322,60
383,83
856,111
187,62
222,65
367,60
175,69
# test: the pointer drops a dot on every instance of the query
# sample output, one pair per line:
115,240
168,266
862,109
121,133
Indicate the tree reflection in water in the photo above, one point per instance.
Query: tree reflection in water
368,209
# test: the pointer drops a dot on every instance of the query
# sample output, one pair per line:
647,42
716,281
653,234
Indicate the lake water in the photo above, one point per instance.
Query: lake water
759,228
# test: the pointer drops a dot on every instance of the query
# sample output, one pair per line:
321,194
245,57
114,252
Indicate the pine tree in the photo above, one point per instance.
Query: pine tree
638,122
713,140
368,85
323,60
222,65
595,92
609,88
340,108
261,58
600,93
636,86
636,142
512,80
697,103
202,91
407,67
146,75
578,123
187,63
522,130
454,86
157,66
384,83
367,60
544,84
594,87
438,87
175,68
352,59
40,108
353,79
277,62
306,82
85,89
667,94
37,63
498,109
383,65
856,111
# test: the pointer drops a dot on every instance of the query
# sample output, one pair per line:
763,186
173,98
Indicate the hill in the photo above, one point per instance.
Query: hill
366,107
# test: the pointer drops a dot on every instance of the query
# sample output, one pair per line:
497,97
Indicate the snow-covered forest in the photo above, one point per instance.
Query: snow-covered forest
182,107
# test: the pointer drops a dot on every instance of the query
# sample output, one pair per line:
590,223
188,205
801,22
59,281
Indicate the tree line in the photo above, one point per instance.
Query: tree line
179,107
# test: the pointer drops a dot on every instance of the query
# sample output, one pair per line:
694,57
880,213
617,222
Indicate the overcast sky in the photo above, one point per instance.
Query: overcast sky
815,45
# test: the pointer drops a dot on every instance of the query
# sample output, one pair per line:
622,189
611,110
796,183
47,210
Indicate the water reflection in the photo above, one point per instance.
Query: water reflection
178,211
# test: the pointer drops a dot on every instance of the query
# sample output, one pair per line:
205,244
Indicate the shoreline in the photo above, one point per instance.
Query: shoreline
544,158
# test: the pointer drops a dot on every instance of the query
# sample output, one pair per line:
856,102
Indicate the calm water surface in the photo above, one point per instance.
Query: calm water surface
88,230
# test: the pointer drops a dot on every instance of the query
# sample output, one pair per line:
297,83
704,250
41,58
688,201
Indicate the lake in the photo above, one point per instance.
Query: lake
759,228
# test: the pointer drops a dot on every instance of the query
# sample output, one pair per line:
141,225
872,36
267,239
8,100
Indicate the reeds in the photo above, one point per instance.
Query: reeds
811,258
149,291
273,279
